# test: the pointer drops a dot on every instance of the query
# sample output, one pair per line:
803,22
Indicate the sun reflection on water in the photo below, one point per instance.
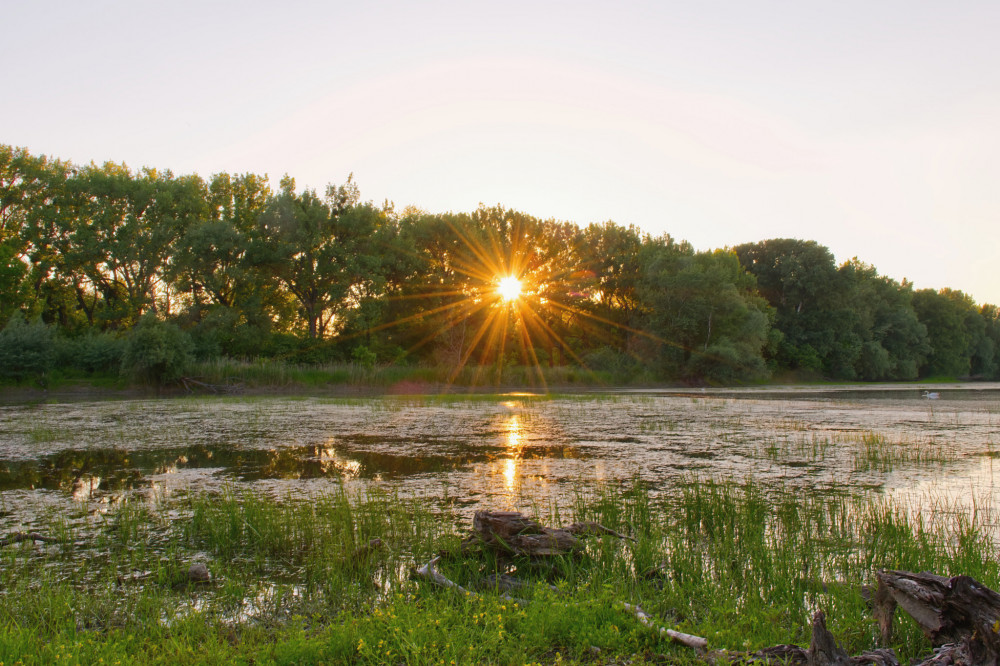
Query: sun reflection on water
515,446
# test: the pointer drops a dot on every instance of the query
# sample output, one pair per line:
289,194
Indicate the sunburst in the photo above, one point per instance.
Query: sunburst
509,288
509,297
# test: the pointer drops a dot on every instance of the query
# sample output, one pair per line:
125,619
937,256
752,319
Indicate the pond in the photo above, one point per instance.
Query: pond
518,450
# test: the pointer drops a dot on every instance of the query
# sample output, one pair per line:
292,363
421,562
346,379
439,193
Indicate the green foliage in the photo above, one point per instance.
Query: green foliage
307,278
955,331
156,351
27,351
364,356
609,359
92,352
703,309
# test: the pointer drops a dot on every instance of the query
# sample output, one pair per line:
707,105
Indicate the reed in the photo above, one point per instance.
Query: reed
742,564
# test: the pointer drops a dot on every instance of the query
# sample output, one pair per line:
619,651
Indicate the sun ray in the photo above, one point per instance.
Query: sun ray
518,300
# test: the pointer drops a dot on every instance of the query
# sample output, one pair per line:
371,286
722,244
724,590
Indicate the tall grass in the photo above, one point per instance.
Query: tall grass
274,373
743,564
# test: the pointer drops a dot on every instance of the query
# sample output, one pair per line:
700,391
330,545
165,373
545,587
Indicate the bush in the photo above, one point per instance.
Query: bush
26,350
156,351
91,353
607,359
364,356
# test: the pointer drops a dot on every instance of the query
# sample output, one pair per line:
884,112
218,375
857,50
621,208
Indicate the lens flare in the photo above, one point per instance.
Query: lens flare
509,288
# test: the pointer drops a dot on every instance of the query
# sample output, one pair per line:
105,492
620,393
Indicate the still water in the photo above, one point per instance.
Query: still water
503,451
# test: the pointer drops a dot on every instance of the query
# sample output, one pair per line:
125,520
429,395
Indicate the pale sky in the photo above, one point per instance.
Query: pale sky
871,127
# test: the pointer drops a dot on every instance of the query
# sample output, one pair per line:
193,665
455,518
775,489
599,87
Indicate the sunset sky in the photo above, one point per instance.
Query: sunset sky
871,127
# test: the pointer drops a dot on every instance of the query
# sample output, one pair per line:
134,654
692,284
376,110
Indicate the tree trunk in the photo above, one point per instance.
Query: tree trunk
958,611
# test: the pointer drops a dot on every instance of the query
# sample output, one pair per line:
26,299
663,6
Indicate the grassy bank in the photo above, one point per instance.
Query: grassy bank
277,375
744,569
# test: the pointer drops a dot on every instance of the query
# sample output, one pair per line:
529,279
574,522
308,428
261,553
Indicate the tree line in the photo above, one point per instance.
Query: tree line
103,268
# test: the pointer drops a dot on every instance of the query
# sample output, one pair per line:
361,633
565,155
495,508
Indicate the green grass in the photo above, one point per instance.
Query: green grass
878,453
743,565
274,373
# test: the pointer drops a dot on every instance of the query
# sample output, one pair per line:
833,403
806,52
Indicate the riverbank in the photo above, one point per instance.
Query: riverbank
226,376
293,582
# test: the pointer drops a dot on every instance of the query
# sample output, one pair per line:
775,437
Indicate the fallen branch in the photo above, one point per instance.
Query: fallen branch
429,572
823,651
18,537
696,642
959,615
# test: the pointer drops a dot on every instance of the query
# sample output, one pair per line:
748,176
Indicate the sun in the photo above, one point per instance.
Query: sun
509,288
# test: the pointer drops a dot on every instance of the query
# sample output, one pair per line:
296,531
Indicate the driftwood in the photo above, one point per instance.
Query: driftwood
514,533
18,537
959,615
429,572
695,642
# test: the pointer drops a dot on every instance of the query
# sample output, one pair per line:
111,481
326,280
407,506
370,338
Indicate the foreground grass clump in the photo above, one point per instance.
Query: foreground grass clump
296,581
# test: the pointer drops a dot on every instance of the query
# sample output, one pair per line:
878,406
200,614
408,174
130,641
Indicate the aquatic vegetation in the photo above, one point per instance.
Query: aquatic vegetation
291,580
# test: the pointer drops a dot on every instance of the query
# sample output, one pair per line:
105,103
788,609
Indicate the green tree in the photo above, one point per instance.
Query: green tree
608,269
894,342
704,310
127,227
318,249
28,189
954,329
991,319
812,305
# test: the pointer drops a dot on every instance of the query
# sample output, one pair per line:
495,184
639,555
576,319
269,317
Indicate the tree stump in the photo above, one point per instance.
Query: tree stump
513,532
953,610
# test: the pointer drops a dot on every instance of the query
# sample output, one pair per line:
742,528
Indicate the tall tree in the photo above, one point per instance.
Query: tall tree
127,227
955,329
894,342
317,248
811,301
705,312
28,185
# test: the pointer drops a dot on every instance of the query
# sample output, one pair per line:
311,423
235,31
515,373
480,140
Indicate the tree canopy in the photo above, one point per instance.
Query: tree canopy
143,269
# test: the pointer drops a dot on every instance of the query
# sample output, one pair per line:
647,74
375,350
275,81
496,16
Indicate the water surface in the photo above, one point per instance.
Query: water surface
508,451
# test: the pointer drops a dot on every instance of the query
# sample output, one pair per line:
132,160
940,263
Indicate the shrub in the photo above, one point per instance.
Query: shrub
91,353
156,351
26,350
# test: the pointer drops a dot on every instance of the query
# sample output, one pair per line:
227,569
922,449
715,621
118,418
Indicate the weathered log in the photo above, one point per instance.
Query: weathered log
515,533
18,537
959,611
